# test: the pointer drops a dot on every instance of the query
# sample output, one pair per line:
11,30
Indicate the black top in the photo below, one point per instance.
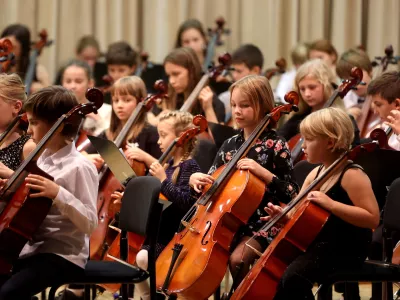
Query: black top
11,156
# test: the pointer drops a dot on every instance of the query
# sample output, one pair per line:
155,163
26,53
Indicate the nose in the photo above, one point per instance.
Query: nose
29,130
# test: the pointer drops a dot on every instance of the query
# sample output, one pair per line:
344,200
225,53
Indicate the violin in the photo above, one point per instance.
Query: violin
296,142
215,40
295,236
200,249
37,49
135,241
109,184
20,215
20,123
7,58
280,68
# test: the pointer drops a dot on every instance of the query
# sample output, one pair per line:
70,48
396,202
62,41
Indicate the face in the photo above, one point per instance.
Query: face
329,59
316,149
383,107
90,55
76,80
178,77
312,92
16,45
37,129
192,38
361,90
8,112
166,133
123,106
241,70
118,71
242,110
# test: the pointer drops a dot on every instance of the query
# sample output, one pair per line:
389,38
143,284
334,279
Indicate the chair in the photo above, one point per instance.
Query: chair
140,213
301,170
377,271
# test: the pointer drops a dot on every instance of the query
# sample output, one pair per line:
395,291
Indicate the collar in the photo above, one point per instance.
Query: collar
59,156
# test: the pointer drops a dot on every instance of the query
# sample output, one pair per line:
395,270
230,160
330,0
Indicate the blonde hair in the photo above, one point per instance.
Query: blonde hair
331,123
182,121
132,86
318,70
12,88
258,91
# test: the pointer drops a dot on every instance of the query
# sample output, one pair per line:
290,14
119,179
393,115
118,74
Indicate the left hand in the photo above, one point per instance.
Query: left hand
5,172
206,98
394,120
321,199
158,171
252,166
44,187
135,153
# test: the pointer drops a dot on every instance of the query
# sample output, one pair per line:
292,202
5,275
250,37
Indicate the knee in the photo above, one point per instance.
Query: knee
234,260
142,259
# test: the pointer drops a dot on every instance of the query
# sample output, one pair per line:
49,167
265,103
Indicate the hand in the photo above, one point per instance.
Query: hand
158,171
5,172
198,180
117,196
255,168
135,153
44,187
274,210
3,183
96,159
321,199
206,98
394,120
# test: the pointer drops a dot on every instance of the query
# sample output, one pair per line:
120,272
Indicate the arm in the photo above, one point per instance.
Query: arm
28,147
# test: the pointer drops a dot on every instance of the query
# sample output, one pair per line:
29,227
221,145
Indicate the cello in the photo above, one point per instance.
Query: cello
296,142
280,68
200,248
20,123
20,215
296,235
6,56
37,49
109,184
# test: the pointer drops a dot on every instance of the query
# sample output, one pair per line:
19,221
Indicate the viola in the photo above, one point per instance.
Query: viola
280,69
20,215
296,142
295,236
37,49
200,249
109,184
20,123
136,241
7,58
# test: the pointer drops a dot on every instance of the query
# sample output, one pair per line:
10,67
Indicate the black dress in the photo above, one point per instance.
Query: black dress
11,156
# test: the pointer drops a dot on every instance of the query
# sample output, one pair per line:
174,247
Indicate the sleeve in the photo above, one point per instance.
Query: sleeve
180,193
219,159
219,109
77,197
282,185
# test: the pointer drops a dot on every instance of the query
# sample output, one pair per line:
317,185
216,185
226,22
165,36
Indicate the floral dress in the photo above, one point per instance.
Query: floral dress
271,152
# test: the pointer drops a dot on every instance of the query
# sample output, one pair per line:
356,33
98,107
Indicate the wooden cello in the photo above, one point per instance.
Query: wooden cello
297,234
20,123
20,215
109,184
37,49
200,250
279,69
6,56
296,142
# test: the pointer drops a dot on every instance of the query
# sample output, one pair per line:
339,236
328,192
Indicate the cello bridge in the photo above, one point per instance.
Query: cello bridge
190,227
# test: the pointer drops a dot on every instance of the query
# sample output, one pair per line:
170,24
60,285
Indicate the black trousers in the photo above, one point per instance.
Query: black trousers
33,274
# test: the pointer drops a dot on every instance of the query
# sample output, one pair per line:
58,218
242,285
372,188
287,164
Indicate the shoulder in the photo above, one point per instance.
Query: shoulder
190,164
355,177
28,147
105,110
78,164
311,176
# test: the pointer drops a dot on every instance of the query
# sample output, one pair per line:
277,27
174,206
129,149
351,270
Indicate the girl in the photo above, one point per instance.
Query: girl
174,179
323,49
142,140
313,82
77,77
59,249
18,145
347,195
184,72
268,159
20,37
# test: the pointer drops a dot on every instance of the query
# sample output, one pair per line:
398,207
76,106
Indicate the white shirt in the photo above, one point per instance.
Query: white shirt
286,84
225,98
350,99
98,126
73,216
394,141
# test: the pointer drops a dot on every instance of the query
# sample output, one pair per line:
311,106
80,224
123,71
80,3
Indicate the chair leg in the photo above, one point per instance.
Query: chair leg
52,293
43,295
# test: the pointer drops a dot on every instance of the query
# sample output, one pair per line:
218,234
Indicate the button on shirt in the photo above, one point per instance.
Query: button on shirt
73,216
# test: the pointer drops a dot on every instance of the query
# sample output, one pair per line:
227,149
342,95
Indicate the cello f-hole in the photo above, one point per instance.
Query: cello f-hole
208,229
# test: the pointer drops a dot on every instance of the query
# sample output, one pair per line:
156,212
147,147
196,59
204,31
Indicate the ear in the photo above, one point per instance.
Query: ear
91,83
17,107
331,143
256,70
133,69
397,103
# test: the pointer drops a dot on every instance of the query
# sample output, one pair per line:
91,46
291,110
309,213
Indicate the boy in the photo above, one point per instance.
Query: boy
60,248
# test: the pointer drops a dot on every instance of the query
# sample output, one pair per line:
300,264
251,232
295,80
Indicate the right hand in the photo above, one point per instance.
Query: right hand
3,183
96,159
198,180
5,172
274,210
117,196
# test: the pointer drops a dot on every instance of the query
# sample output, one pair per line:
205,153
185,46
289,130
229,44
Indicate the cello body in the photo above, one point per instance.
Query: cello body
206,241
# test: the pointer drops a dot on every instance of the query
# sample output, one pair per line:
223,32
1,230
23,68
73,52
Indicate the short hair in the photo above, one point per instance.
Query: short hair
121,53
259,92
189,24
50,103
331,123
353,58
12,88
387,85
324,46
87,41
248,54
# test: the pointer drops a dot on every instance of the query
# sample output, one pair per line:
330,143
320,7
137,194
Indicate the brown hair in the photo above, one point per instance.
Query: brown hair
80,64
87,41
250,55
121,53
12,88
324,46
387,85
50,103
353,58
182,121
189,24
133,86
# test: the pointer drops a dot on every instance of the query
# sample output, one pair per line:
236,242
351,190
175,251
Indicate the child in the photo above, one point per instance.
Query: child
18,145
142,140
343,242
323,49
174,179
60,248
77,77
313,82
268,159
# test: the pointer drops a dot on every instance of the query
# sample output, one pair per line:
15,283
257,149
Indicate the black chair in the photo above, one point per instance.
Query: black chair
140,213
377,271
301,170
